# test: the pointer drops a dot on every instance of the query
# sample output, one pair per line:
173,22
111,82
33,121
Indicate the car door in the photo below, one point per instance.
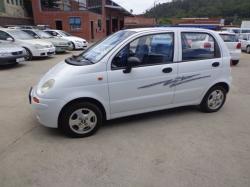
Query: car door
147,86
197,69
243,41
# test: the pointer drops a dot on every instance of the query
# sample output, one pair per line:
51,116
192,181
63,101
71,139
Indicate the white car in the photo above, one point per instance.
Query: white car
76,42
233,45
128,74
245,42
34,47
11,54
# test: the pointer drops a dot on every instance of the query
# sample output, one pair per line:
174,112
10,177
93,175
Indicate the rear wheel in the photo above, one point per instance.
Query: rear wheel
80,120
214,99
235,62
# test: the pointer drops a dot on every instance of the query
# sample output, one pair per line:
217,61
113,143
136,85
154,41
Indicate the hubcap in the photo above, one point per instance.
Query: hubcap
82,121
215,99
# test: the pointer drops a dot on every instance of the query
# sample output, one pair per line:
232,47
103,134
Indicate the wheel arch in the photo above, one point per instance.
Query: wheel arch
84,99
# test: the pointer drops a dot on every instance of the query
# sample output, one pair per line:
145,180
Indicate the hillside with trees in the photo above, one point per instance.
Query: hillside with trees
231,10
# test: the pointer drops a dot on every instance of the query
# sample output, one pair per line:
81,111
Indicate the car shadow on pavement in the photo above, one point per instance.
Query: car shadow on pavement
12,66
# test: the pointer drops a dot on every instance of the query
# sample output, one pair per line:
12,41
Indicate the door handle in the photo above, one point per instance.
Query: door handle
216,64
167,70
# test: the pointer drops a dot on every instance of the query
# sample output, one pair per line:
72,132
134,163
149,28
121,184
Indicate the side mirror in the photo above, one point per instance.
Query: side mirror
132,62
10,39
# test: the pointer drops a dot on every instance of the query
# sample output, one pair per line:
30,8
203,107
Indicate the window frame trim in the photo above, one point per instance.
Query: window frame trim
193,60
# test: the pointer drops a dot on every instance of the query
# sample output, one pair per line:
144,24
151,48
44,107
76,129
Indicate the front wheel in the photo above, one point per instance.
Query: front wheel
81,119
214,99
248,49
29,54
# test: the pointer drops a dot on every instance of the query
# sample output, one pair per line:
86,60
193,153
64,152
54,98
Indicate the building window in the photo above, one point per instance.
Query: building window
12,2
99,24
16,2
8,1
75,23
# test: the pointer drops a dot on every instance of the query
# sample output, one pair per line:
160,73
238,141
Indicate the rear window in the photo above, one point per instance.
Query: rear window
229,37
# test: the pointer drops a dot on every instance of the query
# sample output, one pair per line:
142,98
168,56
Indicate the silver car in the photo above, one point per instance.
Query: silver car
61,45
11,53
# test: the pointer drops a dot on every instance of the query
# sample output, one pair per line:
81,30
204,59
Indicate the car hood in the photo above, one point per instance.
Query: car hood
57,41
9,47
36,41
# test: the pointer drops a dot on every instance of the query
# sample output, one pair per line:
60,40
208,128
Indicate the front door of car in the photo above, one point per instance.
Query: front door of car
198,68
147,85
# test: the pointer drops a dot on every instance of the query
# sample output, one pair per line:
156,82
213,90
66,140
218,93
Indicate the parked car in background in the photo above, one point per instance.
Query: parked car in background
11,53
75,42
234,30
233,45
60,44
200,41
34,47
245,42
130,72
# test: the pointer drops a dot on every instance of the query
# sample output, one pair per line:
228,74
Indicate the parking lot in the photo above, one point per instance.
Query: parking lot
179,147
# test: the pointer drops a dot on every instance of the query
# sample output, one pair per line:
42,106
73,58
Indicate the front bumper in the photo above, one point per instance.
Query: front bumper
12,59
44,52
47,110
81,45
62,48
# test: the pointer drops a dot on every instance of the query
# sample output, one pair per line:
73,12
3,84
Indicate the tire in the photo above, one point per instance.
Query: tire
235,62
29,54
212,102
248,49
72,46
79,120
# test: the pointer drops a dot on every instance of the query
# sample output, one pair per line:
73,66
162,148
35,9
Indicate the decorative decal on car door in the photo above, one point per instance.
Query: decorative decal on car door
177,81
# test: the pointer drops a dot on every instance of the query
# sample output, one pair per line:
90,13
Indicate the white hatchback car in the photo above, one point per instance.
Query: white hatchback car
131,72
75,42
34,47
233,45
245,42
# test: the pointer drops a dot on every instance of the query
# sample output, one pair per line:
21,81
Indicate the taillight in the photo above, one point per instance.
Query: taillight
238,46
207,45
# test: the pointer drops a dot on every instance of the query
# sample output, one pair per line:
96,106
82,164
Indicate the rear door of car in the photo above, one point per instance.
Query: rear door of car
197,69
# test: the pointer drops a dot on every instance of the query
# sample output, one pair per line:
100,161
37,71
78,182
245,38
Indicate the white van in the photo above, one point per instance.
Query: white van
131,72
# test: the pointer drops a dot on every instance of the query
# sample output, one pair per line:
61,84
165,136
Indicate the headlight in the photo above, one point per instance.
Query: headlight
47,86
38,46
3,54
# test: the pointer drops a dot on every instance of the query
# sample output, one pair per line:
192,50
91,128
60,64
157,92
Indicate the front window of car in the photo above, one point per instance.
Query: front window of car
228,37
43,34
98,51
20,35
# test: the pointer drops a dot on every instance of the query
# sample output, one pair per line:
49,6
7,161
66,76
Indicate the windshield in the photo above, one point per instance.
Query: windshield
98,51
43,34
228,37
64,33
18,34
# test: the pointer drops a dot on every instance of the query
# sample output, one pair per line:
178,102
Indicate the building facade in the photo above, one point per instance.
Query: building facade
90,19
12,12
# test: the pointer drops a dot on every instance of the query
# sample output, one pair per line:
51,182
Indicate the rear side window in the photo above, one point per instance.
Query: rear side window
199,46
229,37
150,50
